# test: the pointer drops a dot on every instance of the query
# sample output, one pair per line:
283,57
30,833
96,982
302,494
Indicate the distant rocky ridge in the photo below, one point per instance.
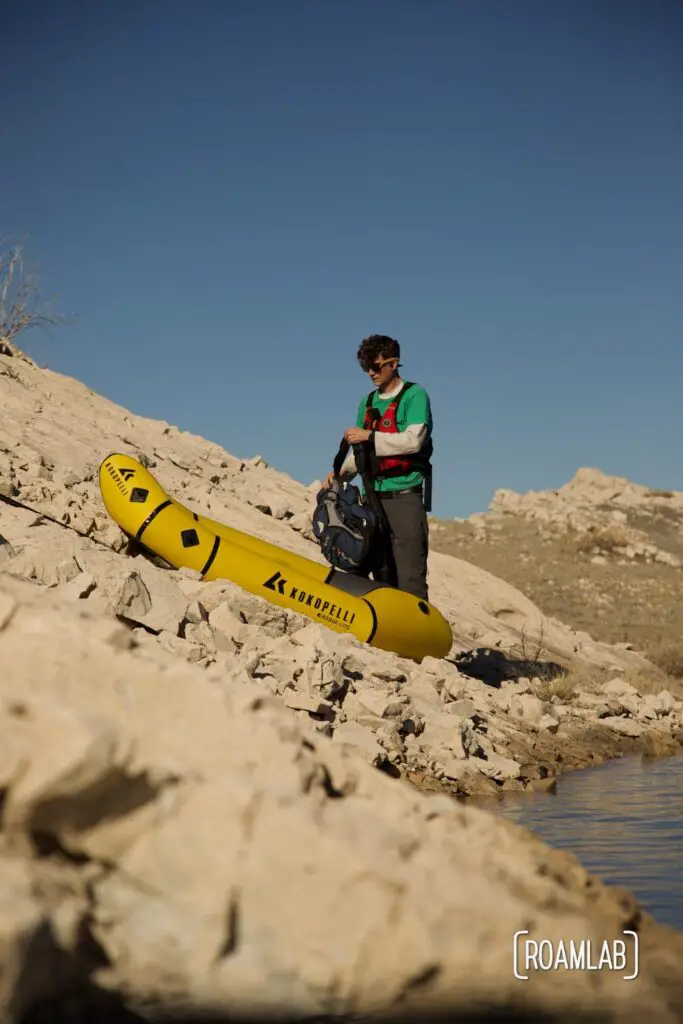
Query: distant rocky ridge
192,808
602,509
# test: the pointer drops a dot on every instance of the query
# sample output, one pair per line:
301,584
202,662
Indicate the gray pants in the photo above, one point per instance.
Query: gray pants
401,561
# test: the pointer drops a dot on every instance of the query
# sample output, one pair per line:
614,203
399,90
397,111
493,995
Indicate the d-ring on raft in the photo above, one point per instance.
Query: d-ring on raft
374,613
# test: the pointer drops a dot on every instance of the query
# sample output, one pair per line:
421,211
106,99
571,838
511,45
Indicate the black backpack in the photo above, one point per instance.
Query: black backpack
344,527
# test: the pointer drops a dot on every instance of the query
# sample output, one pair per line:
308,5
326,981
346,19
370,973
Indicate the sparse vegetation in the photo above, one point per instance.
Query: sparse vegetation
9,371
605,539
584,681
668,655
21,305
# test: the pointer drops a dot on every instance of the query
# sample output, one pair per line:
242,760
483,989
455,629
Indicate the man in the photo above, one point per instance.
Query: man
394,422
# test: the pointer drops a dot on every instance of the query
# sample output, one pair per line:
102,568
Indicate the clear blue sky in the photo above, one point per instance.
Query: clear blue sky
231,194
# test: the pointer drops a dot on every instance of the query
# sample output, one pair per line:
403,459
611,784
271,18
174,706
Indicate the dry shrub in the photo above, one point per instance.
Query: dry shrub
529,649
607,539
21,305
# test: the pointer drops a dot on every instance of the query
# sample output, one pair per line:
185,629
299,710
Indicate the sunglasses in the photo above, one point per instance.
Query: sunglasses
377,367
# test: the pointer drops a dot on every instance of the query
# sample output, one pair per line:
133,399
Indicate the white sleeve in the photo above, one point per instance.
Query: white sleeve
407,442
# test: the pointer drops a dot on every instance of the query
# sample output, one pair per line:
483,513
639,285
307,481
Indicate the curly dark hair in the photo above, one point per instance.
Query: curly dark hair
378,346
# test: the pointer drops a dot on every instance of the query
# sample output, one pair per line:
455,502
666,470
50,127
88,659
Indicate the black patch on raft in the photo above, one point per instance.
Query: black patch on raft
139,494
189,538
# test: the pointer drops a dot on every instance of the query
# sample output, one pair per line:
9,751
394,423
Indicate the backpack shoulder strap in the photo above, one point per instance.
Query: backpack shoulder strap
407,384
370,410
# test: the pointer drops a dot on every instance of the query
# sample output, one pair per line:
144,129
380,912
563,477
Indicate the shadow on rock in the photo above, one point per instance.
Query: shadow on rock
75,999
494,667
88,1007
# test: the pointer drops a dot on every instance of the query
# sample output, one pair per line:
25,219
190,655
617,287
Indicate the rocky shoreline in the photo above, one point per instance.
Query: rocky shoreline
546,739
206,799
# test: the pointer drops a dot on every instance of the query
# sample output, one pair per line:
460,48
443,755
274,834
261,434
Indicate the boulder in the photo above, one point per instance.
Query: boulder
624,726
663,702
461,708
528,707
619,688
497,767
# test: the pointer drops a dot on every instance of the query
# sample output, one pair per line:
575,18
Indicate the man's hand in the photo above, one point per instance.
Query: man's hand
356,435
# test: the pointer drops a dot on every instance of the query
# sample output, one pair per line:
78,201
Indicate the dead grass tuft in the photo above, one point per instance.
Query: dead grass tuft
566,687
562,687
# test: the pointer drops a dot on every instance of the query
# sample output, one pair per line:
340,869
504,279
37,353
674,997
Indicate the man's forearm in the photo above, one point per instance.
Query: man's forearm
407,442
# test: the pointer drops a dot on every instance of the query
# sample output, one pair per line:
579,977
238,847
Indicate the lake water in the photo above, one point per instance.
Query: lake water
624,822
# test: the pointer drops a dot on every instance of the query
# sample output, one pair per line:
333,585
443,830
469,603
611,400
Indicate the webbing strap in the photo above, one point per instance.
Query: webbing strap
428,489
340,456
